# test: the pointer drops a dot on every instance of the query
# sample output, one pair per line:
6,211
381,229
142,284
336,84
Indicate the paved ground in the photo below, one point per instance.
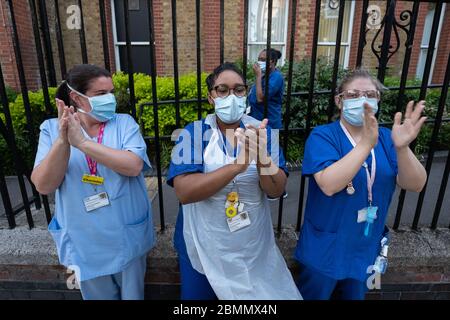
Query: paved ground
290,206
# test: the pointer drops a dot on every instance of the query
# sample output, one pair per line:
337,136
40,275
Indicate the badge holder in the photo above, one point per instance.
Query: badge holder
381,261
237,218
101,199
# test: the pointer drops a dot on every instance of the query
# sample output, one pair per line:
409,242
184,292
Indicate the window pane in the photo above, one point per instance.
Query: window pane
428,24
329,22
258,20
327,52
421,63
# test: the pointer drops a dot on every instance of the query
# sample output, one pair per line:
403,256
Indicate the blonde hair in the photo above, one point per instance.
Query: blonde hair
355,74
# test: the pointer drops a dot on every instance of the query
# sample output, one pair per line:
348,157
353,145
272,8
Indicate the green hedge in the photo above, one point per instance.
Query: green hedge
188,111
165,91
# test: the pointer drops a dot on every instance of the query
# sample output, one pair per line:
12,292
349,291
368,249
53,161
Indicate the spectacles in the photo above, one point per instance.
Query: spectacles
223,90
355,93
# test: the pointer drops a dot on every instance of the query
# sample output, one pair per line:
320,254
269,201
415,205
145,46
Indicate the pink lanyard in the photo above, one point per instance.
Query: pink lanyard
92,164
370,177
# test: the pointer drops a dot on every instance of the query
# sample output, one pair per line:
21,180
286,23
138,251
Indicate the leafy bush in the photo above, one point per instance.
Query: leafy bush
23,141
165,91
11,94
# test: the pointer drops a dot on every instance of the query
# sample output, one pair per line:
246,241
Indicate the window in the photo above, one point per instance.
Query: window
426,39
257,28
326,45
139,35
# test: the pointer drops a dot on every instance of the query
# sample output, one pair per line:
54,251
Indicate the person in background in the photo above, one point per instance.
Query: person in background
94,159
276,89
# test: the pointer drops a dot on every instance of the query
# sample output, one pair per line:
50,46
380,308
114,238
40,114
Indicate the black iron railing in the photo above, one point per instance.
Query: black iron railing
390,27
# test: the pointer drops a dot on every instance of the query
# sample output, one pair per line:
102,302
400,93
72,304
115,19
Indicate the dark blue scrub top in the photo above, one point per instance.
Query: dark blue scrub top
331,241
276,91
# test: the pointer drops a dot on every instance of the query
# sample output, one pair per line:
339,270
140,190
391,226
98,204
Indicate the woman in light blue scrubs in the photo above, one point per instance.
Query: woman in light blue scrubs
353,167
94,159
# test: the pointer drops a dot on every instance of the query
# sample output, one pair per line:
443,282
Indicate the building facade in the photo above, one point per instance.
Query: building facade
235,23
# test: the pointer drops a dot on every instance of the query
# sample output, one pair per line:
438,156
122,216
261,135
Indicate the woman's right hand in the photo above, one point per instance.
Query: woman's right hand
243,158
370,128
257,70
63,118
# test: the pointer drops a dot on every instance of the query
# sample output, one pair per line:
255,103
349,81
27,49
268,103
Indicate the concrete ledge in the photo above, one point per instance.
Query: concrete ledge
419,265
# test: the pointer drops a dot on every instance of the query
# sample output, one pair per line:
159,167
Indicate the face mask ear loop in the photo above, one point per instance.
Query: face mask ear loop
83,95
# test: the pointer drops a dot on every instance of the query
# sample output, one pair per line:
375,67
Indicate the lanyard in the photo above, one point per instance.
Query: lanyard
370,176
92,164
225,147
235,151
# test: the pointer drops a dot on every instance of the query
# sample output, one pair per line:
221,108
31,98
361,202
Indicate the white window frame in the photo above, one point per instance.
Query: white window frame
436,47
349,37
272,43
117,43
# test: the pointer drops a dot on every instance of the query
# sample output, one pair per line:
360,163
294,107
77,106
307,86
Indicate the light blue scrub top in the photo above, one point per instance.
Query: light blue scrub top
331,240
103,241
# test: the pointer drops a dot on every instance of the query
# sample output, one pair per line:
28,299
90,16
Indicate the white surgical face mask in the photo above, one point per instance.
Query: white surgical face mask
262,65
230,109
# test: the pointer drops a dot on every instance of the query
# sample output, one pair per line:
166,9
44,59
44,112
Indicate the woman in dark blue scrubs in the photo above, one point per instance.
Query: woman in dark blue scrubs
276,89
353,167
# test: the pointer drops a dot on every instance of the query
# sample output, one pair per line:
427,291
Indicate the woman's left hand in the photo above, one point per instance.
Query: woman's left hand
259,147
404,134
74,133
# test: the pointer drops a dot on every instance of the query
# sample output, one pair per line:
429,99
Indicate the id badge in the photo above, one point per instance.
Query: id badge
239,221
96,201
87,178
362,214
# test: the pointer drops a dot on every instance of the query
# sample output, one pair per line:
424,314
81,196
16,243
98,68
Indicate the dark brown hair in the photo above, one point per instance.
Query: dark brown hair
80,78
211,79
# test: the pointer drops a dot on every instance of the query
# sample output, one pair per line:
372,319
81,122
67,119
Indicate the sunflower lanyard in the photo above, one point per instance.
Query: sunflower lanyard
236,217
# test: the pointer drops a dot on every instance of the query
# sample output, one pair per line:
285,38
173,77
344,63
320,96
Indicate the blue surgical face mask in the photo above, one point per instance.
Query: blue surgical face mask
262,65
230,109
103,108
353,109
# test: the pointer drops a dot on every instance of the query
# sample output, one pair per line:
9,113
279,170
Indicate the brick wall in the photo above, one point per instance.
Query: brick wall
443,45
234,31
110,35
300,26
93,34
26,42
211,33
210,37
6,48
443,49
423,9
71,38
307,12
